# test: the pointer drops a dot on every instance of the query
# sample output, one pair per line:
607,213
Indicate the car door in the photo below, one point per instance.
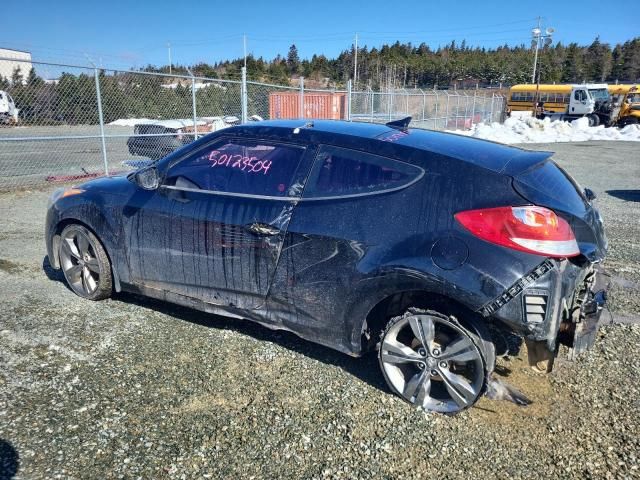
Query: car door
215,227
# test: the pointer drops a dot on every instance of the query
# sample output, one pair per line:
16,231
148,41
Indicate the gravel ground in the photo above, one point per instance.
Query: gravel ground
134,388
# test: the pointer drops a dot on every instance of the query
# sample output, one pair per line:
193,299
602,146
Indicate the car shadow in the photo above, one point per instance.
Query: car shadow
9,460
365,368
628,195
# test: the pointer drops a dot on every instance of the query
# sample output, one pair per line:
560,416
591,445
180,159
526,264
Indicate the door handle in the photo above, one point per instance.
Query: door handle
262,229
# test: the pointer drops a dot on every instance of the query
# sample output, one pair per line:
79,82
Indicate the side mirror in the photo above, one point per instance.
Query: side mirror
589,194
147,178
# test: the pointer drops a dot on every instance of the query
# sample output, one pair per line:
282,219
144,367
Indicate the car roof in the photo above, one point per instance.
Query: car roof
483,153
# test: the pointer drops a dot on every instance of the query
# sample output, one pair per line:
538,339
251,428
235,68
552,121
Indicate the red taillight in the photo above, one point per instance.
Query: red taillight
529,229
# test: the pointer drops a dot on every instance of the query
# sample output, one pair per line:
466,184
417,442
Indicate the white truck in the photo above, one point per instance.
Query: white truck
589,100
8,110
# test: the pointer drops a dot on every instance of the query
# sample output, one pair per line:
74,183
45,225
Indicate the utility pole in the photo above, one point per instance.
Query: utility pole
355,64
169,48
244,46
538,40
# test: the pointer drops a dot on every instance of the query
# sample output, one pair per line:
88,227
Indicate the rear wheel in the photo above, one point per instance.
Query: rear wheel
85,263
432,361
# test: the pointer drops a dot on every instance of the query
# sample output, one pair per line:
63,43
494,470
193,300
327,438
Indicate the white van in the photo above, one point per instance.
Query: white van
8,110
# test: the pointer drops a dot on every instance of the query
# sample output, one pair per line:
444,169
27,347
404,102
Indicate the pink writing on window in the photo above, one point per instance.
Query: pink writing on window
246,164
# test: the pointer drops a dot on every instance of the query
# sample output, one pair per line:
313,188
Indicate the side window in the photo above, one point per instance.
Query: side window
340,171
239,166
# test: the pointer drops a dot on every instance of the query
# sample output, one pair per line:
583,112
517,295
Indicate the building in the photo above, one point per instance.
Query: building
22,60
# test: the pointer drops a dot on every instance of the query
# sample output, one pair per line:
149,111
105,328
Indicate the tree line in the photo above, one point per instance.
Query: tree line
404,65
71,99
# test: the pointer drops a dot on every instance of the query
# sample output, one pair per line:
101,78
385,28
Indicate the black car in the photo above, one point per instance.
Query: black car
355,236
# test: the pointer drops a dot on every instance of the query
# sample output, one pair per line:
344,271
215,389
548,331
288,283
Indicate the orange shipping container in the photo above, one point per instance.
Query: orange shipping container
327,105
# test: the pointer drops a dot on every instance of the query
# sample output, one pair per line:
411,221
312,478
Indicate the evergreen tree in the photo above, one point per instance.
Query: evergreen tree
293,60
16,77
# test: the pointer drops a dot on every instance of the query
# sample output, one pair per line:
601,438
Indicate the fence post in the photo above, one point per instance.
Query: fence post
372,98
193,104
243,96
446,115
491,115
301,112
349,100
101,117
424,103
435,118
389,102
473,107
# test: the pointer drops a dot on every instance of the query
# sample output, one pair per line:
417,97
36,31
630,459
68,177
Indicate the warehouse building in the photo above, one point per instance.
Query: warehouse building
10,59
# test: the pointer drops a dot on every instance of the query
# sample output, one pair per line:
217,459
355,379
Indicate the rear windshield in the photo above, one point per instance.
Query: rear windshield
549,185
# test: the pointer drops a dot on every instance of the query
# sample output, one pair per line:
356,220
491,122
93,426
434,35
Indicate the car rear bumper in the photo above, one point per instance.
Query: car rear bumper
558,302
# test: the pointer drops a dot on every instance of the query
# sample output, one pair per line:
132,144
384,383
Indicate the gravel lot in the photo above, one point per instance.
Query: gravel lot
134,388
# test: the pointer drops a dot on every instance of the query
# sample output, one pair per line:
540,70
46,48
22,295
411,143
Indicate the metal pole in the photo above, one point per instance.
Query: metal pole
424,103
301,97
435,120
372,98
169,47
491,117
193,102
389,102
446,115
349,100
535,58
473,108
101,118
243,96
355,64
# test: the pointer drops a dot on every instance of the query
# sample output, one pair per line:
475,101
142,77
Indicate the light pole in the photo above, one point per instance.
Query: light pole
539,40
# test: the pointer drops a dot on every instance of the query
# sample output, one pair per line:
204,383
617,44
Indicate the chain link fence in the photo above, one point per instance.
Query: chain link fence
89,121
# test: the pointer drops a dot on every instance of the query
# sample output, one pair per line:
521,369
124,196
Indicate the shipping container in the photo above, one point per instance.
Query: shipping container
327,105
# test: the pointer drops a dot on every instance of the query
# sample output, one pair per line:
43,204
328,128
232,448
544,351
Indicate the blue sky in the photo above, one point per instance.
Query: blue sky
133,34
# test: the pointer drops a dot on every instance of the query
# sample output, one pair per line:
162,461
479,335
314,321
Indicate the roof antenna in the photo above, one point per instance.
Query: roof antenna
402,124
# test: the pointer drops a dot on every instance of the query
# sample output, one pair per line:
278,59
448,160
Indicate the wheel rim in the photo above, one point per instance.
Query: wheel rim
433,363
79,261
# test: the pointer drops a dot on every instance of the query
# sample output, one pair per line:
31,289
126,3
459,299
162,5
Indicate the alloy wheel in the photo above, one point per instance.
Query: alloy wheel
79,261
432,362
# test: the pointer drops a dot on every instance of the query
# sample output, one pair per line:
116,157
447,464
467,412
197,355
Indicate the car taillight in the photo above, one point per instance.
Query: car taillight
529,229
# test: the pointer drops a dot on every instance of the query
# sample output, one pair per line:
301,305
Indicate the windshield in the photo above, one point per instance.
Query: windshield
633,98
599,93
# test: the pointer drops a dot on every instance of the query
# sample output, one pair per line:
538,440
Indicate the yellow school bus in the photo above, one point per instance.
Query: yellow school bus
563,102
555,98
626,103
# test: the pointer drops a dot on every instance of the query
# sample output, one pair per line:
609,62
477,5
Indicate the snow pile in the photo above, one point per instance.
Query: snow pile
532,130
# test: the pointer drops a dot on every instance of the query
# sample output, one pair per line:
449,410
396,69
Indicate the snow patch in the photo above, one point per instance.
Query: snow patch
533,130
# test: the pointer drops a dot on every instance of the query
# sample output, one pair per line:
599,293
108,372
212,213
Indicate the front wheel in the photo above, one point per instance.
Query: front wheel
85,263
594,120
432,361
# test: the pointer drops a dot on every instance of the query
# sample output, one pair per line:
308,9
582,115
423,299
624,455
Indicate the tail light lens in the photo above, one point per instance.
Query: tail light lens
529,229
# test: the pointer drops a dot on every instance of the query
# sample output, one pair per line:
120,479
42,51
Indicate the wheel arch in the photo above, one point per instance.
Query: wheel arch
55,240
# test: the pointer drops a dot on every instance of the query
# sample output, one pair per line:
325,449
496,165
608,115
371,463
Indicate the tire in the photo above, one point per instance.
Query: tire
594,120
85,263
448,374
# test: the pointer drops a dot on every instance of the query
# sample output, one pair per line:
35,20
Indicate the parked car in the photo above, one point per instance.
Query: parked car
157,139
8,110
356,236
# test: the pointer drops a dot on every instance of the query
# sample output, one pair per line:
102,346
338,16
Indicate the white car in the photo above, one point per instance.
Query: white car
8,110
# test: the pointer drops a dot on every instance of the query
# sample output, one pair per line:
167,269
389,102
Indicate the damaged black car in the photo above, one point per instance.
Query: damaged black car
361,237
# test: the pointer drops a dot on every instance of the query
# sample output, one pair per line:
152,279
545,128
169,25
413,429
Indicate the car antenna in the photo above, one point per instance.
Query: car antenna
306,125
402,124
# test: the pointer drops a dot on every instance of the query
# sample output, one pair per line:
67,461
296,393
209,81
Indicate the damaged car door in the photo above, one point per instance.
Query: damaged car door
215,227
